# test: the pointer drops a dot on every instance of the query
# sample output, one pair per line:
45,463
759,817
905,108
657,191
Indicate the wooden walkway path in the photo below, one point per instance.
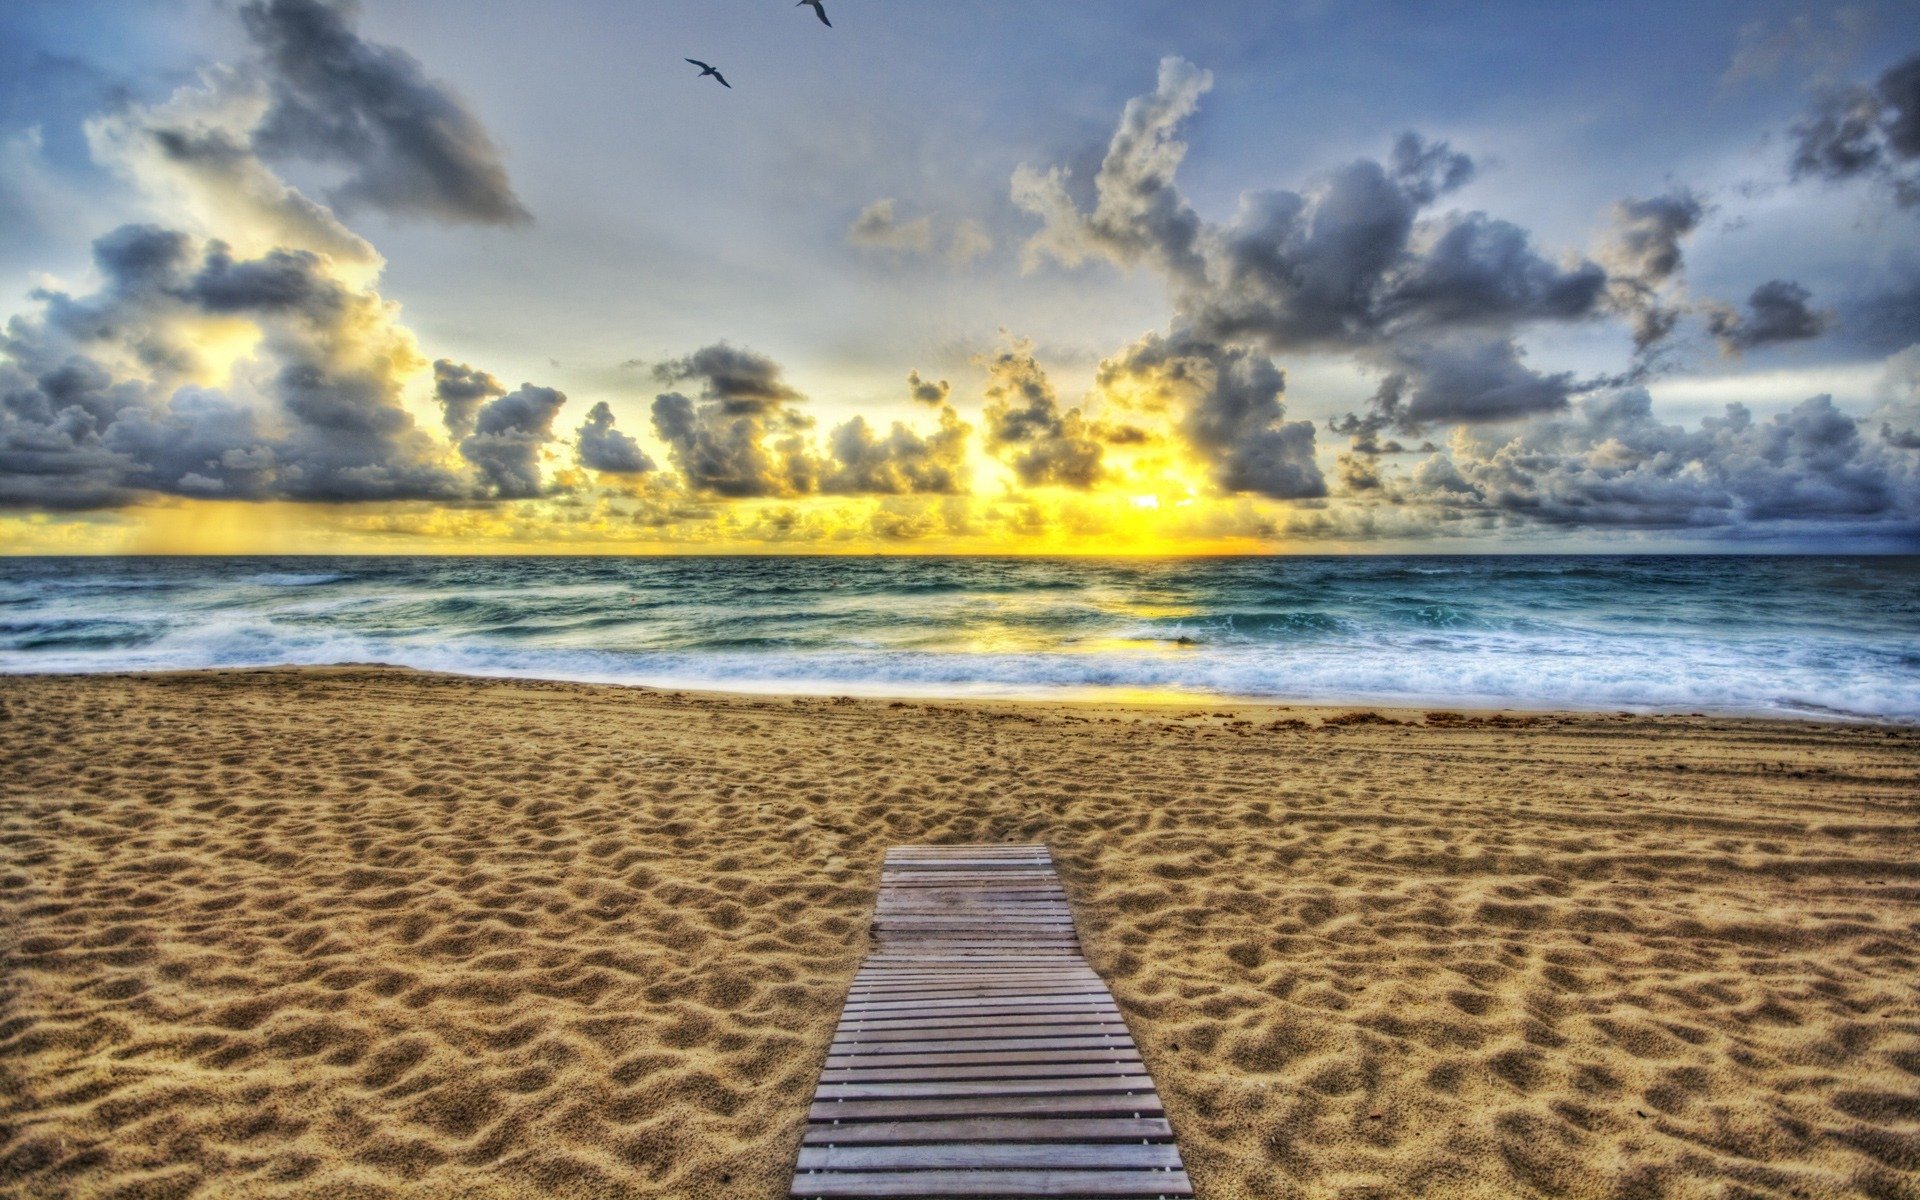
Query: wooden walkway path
978,1054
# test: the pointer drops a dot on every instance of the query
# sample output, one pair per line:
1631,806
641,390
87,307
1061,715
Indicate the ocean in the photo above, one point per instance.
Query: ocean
1804,636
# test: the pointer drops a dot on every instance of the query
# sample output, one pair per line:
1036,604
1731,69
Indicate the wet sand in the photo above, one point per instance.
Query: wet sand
368,932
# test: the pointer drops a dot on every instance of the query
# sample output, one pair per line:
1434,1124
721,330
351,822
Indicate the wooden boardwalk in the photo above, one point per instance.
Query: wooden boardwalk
978,1054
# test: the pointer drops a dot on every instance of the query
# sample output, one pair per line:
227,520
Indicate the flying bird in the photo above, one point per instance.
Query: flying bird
819,10
706,70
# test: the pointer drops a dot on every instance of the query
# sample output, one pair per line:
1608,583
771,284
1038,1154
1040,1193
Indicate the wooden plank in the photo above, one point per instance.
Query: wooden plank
960,1003
1110,1156
940,1088
853,1039
1104,1016
991,1129
987,1071
1099,1104
1098,1054
991,1185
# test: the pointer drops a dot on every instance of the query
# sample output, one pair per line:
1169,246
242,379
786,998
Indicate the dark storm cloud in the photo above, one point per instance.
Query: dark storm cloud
1027,427
315,415
509,435
410,146
1777,311
1870,131
601,447
461,390
1231,413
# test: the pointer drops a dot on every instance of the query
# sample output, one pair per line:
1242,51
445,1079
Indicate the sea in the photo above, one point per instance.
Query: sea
1809,636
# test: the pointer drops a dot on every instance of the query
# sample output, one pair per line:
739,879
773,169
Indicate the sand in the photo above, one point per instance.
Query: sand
366,932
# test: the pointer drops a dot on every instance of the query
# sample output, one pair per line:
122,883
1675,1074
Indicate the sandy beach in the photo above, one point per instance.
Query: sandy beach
366,932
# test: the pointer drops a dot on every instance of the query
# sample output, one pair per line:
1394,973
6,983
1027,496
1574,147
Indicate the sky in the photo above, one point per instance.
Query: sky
421,276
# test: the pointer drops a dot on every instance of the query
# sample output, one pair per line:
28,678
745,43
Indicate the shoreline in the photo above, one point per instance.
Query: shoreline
1410,710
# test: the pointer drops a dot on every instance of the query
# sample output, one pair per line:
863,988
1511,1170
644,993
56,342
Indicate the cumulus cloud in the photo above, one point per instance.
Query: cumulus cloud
1610,463
1898,414
111,395
508,438
601,447
1231,411
1777,311
1643,253
1347,263
900,463
928,391
1869,131
461,390
1138,214
745,437
742,437
408,144
192,157
1027,427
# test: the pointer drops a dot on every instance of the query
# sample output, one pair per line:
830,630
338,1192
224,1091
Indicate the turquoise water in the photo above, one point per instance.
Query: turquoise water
1801,635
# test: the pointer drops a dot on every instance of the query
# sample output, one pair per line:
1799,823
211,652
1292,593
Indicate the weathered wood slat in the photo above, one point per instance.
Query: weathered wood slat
1110,1156
1101,1104
977,1054
957,1088
992,1185
1098,1054
986,1071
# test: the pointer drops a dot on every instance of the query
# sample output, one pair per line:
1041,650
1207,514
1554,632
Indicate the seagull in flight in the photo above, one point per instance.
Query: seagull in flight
706,70
819,10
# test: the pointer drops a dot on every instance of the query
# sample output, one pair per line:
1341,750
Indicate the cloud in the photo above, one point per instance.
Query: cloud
1777,311
601,447
739,381
744,437
880,227
461,390
1866,131
1139,214
1231,414
1898,414
509,434
1643,253
409,145
1347,263
121,393
928,391
901,463
1026,425
192,157
1611,464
